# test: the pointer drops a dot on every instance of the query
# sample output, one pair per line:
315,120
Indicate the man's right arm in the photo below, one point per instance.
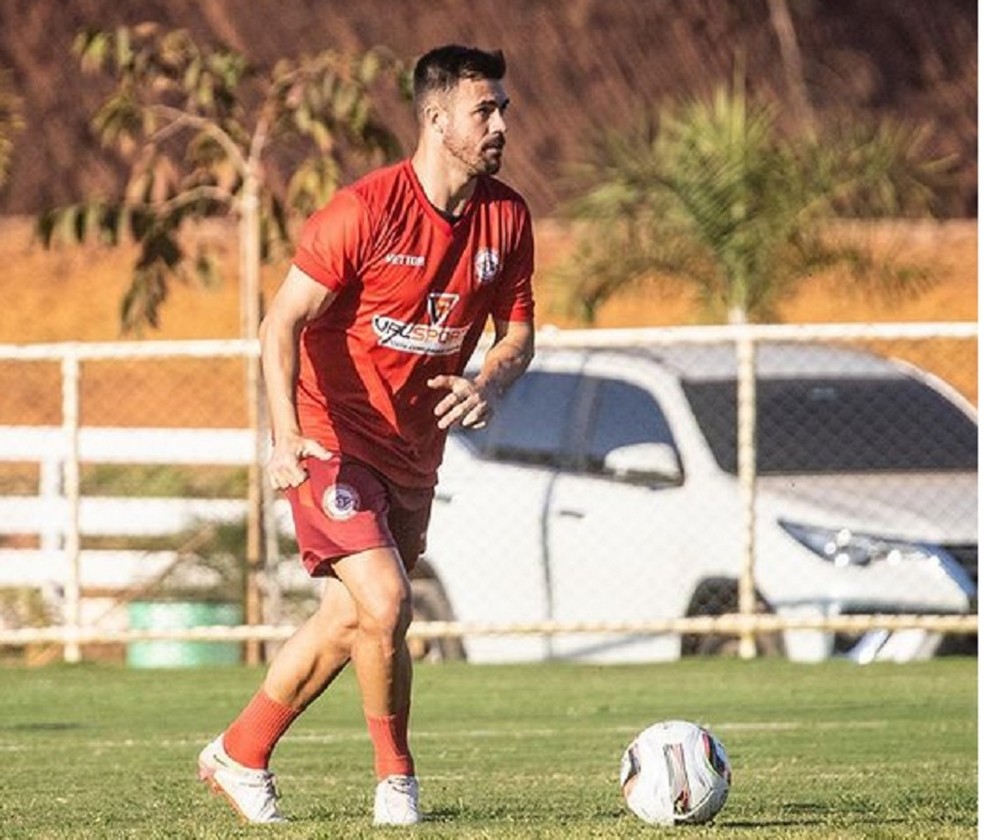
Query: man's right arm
298,300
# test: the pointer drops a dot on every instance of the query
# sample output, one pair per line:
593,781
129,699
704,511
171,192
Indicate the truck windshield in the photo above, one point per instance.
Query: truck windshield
839,425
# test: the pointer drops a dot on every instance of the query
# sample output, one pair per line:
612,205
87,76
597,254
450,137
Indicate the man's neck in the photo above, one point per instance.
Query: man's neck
447,188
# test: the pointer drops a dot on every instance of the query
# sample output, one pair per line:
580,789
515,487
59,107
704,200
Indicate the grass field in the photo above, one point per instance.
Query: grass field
821,751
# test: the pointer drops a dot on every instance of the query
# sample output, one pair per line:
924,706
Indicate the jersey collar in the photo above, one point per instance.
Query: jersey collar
439,220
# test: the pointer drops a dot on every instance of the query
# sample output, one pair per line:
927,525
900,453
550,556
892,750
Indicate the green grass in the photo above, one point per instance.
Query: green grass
820,751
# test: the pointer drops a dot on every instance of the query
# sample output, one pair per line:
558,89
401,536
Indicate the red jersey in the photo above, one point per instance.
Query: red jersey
413,295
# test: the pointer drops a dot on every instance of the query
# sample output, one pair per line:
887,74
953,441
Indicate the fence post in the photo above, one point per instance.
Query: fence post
272,606
249,262
70,482
746,400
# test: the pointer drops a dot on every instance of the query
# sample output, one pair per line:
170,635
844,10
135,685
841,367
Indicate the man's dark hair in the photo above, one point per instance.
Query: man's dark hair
442,68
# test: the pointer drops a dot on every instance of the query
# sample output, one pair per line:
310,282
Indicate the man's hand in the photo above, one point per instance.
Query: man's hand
285,466
465,403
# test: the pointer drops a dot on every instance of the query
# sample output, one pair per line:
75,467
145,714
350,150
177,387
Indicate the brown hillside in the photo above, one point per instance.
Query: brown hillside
575,65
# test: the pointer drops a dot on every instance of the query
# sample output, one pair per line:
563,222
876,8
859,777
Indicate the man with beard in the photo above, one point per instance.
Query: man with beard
363,352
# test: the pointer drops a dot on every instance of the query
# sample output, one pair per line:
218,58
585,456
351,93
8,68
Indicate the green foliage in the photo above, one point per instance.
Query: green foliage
163,480
709,192
820,751
11,121
205,134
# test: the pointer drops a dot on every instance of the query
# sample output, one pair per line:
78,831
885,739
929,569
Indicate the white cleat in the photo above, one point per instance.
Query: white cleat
251,792
397,801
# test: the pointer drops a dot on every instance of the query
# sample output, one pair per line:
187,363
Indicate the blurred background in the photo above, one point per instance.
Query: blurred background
575,68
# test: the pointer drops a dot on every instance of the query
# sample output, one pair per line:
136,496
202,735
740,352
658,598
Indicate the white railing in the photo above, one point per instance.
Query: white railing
60,516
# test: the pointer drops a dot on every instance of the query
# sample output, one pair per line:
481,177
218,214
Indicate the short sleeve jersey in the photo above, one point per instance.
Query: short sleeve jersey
414,292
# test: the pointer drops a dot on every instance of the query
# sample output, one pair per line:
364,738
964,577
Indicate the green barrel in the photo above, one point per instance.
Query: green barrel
177,615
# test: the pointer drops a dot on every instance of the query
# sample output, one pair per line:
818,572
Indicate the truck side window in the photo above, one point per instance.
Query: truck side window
624,414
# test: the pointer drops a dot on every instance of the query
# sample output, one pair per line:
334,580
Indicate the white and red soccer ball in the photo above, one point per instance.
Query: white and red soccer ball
675,772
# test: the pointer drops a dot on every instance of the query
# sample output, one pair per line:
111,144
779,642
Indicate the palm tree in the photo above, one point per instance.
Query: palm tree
710,193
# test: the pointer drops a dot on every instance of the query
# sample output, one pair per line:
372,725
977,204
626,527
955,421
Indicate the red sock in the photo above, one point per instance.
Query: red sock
389,740
251,737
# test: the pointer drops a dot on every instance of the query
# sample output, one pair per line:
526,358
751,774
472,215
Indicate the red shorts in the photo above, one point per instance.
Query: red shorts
346,507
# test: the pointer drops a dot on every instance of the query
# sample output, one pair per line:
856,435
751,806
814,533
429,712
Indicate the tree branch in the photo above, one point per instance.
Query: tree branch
180,119
205,191
792,60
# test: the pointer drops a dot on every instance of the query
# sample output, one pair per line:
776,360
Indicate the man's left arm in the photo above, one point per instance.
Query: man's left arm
507,358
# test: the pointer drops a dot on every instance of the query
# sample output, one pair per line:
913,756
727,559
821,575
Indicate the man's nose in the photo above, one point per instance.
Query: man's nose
497,125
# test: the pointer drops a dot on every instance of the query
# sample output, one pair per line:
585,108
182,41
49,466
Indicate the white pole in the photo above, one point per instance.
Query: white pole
70,428
249,270
746,398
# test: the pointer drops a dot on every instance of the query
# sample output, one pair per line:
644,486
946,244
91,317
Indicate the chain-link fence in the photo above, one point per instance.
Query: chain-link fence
805,491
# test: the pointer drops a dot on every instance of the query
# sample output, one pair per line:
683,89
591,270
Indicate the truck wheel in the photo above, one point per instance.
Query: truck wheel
719,596
431,604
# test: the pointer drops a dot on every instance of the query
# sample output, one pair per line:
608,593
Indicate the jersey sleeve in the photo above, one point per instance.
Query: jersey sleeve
514,300
332,241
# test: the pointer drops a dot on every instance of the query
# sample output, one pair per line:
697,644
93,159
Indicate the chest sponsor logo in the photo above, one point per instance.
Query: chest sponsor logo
432,339
422,339
487,263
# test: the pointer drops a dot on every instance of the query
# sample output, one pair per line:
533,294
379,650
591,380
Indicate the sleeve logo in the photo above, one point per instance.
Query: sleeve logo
487,265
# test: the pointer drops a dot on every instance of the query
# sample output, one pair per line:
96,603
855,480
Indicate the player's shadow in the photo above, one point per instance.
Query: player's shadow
42,726
808,814
443,815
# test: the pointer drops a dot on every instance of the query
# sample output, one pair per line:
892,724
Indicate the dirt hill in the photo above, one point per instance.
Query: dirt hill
575,65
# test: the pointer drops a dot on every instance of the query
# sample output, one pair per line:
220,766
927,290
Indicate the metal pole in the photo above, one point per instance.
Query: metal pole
272,606
249,269
746,397
70,483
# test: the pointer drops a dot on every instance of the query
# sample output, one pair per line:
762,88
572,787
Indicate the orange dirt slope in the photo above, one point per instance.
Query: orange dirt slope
73,293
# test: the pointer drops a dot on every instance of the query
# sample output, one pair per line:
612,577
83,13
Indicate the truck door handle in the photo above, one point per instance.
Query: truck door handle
571,514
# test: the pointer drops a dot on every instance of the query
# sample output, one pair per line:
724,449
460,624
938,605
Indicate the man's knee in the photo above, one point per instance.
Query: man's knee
338,630
388,615
380,590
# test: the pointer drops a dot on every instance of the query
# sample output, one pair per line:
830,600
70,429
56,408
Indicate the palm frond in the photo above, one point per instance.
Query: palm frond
749,203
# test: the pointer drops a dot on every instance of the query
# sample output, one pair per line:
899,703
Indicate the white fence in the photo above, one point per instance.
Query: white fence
67,541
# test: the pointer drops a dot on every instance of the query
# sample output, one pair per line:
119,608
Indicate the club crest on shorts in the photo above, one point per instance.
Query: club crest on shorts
340,501
487,265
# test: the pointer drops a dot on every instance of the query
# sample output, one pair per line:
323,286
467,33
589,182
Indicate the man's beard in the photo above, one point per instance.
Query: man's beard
487,161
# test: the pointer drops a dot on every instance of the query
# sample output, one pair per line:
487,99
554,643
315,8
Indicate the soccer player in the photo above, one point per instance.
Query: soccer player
363,352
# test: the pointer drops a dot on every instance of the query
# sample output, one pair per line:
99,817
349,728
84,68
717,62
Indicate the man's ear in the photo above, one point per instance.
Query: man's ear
435,117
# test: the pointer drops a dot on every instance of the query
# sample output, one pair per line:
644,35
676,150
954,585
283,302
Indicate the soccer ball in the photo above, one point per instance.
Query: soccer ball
675,772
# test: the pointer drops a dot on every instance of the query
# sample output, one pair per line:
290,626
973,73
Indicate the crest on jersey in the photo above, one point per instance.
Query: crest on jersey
487,265
439,306
340,501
